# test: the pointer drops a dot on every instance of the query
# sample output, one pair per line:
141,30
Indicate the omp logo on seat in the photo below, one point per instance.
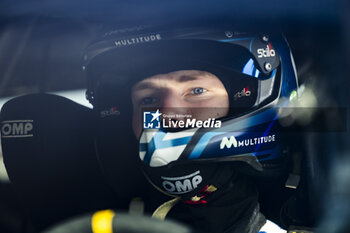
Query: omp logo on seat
17,129
183,184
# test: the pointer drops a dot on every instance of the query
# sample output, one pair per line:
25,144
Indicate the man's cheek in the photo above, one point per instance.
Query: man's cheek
203,114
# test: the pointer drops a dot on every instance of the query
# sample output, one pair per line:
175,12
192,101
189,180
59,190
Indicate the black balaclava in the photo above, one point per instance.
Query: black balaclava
233,207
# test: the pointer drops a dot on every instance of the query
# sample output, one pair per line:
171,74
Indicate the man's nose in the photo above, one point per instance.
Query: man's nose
173,104
171,99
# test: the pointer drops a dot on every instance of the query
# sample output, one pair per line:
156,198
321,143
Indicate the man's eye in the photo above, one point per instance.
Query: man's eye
198,91
148,100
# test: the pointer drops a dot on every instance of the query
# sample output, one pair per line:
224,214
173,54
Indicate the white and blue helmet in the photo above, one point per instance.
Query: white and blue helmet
259,66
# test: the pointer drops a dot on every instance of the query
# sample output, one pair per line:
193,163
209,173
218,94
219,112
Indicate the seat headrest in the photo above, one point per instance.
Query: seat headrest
48,149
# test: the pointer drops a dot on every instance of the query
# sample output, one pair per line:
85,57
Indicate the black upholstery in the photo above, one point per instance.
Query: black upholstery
55,171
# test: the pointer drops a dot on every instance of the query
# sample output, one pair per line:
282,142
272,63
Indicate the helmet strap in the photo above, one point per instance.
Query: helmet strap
162,211
198,198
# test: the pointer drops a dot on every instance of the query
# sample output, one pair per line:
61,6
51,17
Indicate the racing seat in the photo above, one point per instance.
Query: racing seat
49,154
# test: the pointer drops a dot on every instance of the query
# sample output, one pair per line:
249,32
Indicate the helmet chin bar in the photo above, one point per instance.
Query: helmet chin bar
247,158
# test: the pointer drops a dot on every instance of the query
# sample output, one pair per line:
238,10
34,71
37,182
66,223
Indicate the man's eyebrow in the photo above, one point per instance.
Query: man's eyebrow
183,78
144,85
187,78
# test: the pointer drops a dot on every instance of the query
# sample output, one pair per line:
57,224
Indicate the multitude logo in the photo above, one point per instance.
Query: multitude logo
232,141
151,120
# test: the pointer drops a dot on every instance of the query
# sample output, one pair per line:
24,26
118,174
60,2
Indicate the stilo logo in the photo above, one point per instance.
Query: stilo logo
17,129
113,111
268,52
245,92
183,184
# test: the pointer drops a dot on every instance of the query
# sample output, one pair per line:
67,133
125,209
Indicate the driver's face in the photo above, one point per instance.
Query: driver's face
180,92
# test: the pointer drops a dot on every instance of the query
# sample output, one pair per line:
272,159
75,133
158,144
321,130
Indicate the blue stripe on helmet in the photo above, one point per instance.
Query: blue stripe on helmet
249,67
202,143
251,44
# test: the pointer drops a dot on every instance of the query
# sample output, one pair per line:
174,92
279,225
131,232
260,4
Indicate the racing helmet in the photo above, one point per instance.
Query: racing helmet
257,70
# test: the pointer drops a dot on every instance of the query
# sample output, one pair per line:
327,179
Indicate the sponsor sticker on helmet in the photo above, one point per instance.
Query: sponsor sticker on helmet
232,141
110,112
245,92
138,40
266,52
